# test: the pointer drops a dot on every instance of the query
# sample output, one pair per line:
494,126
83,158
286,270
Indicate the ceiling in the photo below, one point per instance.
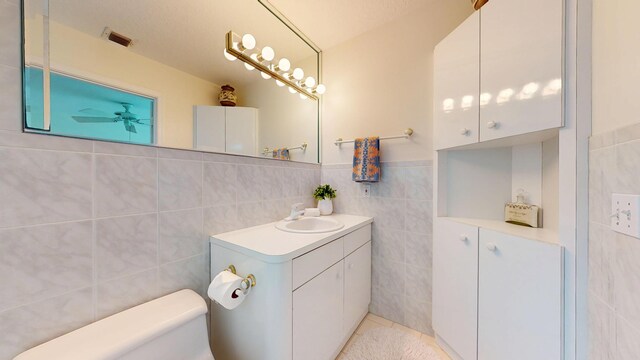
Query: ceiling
331,22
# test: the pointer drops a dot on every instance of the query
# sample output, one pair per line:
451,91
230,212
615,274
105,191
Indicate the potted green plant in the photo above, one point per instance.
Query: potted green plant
324,193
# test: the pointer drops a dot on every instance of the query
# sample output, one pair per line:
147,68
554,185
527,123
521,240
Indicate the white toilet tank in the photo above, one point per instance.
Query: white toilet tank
173,327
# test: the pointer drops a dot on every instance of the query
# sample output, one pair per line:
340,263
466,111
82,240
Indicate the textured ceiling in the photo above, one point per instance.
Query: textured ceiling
188,35
331,22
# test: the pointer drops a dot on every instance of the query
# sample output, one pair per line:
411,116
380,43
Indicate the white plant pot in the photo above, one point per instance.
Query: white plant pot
325,206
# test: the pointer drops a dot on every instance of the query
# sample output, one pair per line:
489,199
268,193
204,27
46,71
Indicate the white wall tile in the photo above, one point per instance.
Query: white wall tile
220,184
191,273
180,235
125,185
126,245
44,261
122,293
10,98
39,187
180,184
30,325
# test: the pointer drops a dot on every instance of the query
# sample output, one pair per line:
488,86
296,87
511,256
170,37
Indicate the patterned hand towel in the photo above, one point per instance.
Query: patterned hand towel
282,154
366,160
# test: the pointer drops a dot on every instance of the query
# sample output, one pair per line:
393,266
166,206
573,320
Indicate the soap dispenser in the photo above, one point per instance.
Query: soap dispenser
521,213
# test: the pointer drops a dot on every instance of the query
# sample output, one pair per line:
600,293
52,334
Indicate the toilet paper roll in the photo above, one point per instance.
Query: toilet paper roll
226,290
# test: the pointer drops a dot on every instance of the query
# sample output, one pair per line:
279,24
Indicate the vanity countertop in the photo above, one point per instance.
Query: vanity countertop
271,245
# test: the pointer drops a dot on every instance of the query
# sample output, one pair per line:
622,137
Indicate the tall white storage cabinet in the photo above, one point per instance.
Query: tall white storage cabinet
504,291
457,80
232,130
521,57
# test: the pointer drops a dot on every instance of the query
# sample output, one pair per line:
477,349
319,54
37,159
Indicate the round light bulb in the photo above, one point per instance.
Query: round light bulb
268,53
249,67
321,89
248,41
229,56
284,64
298,74
265,75
292,90
310,82
303,97
279,83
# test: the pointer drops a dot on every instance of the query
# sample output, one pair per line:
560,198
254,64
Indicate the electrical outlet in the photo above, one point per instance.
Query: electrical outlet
366,190
625,214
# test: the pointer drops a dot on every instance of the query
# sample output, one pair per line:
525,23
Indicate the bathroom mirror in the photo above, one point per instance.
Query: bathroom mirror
150,72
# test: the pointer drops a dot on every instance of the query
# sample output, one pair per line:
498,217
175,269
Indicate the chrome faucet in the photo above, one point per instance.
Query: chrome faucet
296,212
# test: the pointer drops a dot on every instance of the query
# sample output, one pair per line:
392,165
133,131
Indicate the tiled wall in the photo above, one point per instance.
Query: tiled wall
402,237
614,259
91,228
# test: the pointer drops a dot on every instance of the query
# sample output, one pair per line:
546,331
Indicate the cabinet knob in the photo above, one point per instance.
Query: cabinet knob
492,247
463,238
492,124
464,131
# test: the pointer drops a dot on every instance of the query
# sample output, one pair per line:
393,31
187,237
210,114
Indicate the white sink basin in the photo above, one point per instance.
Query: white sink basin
310,225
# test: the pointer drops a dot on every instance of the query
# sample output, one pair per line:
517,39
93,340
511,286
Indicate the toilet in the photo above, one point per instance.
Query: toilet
168,328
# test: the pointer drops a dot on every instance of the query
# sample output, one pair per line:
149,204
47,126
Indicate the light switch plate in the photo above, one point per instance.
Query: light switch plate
625,214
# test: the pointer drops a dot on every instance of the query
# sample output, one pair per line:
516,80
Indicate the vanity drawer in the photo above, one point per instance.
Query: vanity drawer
313,263
356,239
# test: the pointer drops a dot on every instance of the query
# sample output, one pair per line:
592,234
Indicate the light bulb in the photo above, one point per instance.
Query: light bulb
303,97
286,76
284,64
321,89
268,53
265,75
279,83
248,41
504,96
249,67
298,74
292,90
310,82
229,56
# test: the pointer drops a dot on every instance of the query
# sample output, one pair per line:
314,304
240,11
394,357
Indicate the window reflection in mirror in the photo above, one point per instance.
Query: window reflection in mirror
151,72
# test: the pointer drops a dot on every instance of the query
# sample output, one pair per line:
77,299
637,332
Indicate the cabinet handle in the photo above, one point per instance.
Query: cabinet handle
492,125
464,131
463,238
492,247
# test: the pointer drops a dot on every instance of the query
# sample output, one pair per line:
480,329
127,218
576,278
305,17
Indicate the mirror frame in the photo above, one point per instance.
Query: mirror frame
268,6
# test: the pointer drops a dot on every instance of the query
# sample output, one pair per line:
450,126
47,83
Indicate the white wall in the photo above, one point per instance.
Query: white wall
616,55
381,83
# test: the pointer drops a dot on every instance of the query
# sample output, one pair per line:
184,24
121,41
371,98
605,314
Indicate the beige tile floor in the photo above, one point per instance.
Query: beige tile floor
372,321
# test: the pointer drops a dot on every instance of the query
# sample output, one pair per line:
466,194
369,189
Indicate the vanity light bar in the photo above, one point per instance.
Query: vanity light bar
255,63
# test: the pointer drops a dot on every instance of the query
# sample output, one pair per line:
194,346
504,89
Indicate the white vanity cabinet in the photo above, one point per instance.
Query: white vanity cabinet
456,84
498,293
312,291
521,56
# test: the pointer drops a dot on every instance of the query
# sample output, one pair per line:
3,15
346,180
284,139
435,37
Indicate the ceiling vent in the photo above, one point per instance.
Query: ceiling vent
116,38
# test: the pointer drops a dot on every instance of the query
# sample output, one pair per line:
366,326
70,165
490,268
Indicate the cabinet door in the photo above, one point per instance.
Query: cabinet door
520,298
317,316
456,86
357,286
242,131
209,128
521,71
455,286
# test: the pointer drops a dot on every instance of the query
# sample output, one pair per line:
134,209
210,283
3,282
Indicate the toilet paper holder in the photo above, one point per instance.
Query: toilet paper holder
248,282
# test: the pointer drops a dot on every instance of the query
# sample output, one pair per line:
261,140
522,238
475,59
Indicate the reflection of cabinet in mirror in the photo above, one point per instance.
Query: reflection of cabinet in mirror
226,129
